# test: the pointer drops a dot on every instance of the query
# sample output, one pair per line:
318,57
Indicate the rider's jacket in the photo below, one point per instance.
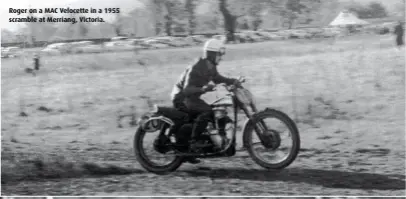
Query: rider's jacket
194,78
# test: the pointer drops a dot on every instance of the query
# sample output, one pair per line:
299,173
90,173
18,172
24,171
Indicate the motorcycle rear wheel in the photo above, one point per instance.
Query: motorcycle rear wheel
144,160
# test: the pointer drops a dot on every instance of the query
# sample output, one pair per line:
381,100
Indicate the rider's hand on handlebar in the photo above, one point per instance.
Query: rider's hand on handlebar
208,88
239,81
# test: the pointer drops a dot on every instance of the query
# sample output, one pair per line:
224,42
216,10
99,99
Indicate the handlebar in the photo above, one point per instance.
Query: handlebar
232,86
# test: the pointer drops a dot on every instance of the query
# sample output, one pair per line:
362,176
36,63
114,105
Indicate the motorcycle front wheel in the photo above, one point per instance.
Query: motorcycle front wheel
271,158
145,160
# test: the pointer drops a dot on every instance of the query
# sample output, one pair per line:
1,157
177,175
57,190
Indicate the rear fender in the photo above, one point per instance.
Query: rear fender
155,123
170,113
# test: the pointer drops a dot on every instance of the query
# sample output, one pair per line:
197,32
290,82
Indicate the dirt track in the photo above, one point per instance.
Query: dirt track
234,176
359,150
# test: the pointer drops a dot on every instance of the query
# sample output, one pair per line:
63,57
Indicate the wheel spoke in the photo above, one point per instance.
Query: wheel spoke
285,153
153,156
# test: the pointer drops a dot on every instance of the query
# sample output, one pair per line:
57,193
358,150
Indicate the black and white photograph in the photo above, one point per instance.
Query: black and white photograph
25,197
205,98
112,197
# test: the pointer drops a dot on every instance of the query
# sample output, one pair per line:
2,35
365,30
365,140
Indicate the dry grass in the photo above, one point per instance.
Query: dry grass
349,104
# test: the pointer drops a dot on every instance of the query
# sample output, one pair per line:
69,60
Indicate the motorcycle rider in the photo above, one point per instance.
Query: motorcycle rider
194,82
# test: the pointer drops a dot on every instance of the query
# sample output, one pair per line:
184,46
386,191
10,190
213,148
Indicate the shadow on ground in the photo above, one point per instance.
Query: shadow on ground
325,178
40,170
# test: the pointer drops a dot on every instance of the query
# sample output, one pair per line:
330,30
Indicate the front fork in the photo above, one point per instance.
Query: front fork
269,139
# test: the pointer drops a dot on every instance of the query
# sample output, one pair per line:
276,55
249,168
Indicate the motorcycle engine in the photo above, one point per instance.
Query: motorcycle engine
215,136
217,129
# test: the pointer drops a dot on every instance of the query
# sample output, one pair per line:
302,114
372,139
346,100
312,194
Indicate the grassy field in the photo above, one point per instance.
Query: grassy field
347,96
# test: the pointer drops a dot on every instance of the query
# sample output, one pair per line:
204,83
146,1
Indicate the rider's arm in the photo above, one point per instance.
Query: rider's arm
191,90
192,84
221,79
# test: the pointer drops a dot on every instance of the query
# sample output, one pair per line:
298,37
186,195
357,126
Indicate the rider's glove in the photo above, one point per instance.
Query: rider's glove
237,83
208,88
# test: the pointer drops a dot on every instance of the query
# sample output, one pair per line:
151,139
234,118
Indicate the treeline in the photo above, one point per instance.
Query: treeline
187,17
371,10
172,16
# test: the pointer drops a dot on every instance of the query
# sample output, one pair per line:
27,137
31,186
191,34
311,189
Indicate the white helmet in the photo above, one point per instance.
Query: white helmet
214,45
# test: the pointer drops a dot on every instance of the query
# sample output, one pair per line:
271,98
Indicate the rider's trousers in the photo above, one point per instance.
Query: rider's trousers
197,106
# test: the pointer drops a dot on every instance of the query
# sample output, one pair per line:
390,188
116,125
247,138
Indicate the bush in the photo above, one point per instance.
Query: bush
372,10
384,30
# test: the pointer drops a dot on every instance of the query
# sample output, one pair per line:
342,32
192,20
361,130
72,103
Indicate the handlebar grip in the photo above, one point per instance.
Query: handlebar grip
241,79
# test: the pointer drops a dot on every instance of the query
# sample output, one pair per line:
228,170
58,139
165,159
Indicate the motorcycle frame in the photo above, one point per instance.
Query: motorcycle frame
237,105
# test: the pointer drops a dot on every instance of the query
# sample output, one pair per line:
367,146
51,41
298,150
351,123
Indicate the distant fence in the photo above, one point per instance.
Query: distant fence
44,43
96,41
101,40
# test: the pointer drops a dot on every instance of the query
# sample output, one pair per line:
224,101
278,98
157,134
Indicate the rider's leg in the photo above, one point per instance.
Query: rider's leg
200,124
222,125
203,118
178,104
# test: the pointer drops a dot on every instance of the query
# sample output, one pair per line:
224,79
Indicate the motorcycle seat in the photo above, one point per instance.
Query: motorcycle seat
171,112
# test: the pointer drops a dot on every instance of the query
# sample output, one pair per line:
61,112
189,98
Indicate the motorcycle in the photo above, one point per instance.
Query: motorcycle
175,127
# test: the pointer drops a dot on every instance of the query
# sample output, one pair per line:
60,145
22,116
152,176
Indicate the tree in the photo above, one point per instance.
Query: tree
209,22
372,10
83,29
255,12
400,8
137,16
377,10
71,29
7,36
232,10
327,11
190,6
170,9
118,24
296,9
171,12
37,31
244,25
230,20
157,15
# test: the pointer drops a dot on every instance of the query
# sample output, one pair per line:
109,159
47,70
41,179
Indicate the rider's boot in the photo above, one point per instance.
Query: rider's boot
193,148
192,160
198,128
194,145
